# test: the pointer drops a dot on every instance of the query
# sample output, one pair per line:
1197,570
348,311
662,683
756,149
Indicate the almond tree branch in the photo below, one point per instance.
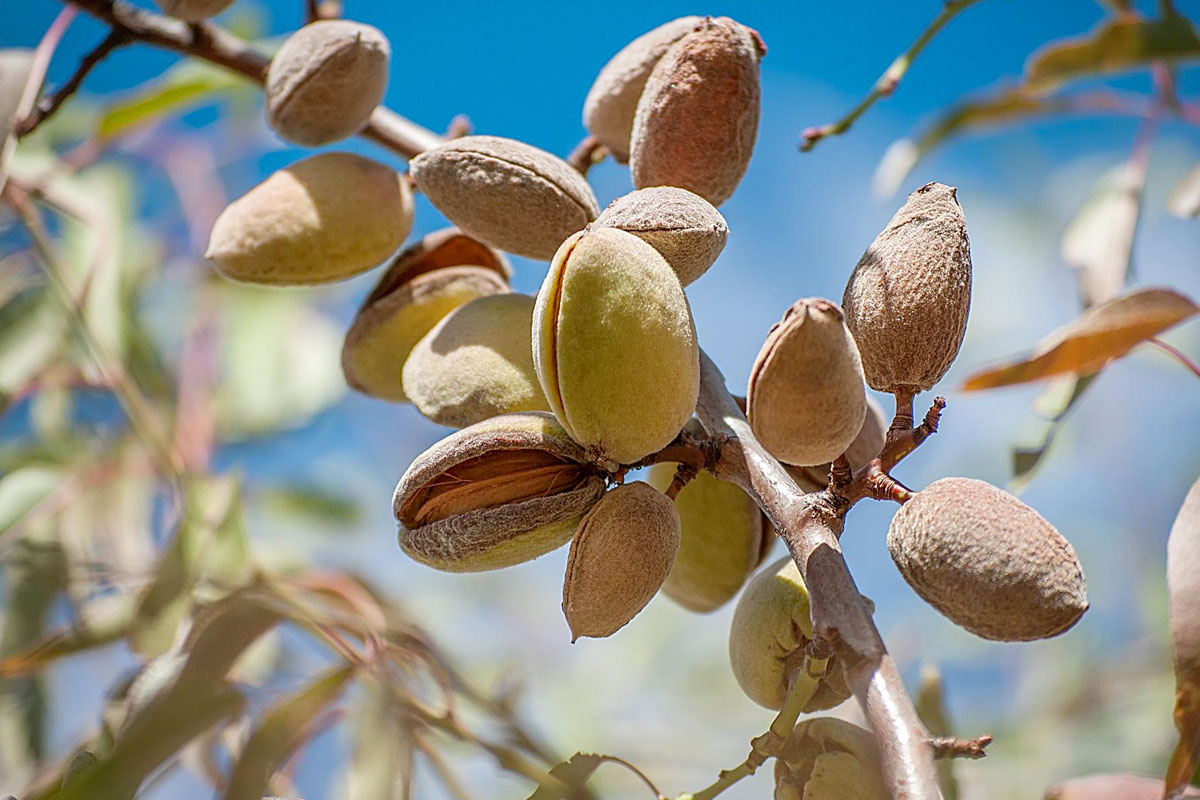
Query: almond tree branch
212,43
810,525
949,747
890,79
49,104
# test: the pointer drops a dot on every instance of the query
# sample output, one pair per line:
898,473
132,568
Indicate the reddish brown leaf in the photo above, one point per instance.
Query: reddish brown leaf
1102,333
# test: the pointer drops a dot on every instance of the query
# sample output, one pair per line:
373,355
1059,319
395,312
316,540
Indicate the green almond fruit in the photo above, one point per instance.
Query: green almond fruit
806,400
908,299
614,345
476,363
501,492
424,283
987,561
323,219
771,628
721,539
507,193
619,559
326,80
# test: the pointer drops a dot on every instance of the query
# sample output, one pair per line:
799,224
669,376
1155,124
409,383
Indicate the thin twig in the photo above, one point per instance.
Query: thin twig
49,104
1177,354
33,83
890,79
587,154
949,747
810,524
209,42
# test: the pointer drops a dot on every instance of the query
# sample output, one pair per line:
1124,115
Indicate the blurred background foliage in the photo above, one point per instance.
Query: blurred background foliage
182,468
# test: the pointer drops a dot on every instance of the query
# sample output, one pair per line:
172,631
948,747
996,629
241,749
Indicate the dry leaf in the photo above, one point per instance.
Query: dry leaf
1098,243
1185,197
1102,333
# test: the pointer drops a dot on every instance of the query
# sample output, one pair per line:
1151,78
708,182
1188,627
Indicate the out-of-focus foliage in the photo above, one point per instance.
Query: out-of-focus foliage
122,536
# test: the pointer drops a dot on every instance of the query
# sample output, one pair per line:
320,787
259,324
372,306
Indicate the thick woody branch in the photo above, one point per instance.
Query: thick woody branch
211,43
810,525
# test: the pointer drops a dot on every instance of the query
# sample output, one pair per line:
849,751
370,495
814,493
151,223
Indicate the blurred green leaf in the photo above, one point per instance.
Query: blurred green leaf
283,728
183,87
570,777
1098,242
1006,106
381,758
281,361
931,708
34,575
1054,403
1185,197
33,330
1115,45
209,547
178,696
64,643
311,502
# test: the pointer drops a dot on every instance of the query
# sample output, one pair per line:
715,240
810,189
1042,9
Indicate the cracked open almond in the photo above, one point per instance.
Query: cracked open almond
501,492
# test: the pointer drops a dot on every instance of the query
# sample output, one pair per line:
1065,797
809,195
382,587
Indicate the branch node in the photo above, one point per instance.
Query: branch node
949,747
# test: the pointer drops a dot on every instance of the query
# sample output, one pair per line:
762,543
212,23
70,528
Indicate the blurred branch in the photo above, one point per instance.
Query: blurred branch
209,42
33,83
891,77
49,104
810,525
137,408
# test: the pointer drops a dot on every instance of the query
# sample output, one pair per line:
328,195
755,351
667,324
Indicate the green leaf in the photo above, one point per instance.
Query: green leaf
567,779
1009,105
1098,242
1103,333
34,575
1115,45
33,331
209,547
283,728
311,502
1054,403
185,86
1185,197
381,761
931,708
177,697
281,361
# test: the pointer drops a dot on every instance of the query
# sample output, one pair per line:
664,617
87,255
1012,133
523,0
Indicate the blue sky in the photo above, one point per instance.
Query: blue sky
799,223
